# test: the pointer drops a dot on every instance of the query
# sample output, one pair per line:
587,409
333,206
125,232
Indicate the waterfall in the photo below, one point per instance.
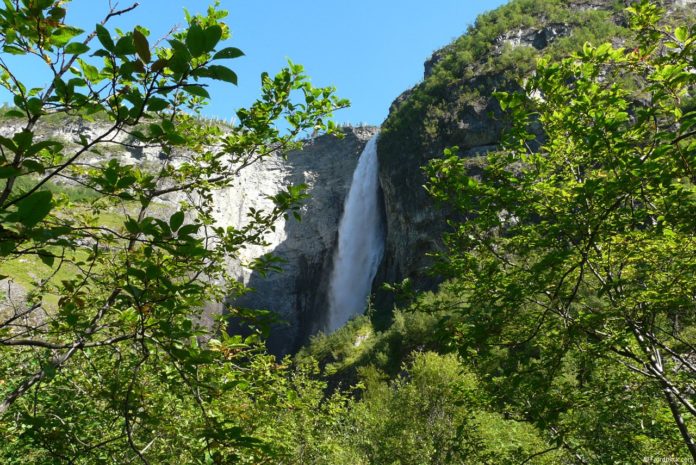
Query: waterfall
360,243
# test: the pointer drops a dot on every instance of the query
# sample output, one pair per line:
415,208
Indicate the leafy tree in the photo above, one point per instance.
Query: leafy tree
105,359
582,230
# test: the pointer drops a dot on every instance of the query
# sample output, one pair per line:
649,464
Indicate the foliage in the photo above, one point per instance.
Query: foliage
432,413
585,247
426,324
119,366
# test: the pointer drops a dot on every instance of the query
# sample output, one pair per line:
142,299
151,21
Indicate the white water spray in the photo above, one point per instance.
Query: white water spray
360,243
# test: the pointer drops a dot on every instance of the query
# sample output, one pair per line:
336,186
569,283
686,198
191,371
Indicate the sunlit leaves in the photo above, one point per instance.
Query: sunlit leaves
90,72
64,34
583,216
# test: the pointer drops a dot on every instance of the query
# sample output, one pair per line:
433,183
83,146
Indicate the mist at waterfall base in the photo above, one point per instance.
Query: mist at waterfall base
360,243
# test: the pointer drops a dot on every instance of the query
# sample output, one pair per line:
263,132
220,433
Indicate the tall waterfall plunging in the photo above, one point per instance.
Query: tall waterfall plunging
360,242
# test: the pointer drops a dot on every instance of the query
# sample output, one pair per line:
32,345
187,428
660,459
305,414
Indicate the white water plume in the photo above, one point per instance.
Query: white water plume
360,243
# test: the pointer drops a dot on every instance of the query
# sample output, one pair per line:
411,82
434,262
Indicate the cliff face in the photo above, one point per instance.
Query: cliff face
298,293
454,106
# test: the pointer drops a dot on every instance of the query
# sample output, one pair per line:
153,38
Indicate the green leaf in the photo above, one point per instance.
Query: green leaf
7,246
603,49
195,40
159,65
222,73
156,130
228,53
132,226
212,37
16,113
64,34
90,72
12,50
32,209
105,37
38,5
57,13
176,220
142,46
35,106
175,138
8,171
76,48
23,139
157,104
9,143
138,66
179,63
188,230
47,259
197,90
36,148
33,166
587,49
180,48
681,33
125,46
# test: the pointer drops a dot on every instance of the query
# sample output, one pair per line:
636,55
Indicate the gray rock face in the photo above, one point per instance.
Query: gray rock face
537,38
415,225
298,293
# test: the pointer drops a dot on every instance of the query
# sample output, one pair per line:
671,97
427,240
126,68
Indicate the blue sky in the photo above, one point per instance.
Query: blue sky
370,50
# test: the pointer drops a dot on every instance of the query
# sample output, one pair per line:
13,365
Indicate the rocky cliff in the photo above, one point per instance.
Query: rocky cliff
297,294
454,106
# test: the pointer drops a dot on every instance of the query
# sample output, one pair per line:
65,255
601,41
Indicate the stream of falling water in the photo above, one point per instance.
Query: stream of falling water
360,243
